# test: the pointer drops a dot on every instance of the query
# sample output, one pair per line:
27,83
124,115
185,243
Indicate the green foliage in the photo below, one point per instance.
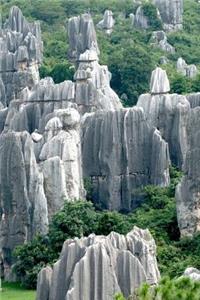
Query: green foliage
31,257
150,11
179,289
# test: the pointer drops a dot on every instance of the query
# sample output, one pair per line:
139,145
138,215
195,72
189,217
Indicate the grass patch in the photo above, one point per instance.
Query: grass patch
14,291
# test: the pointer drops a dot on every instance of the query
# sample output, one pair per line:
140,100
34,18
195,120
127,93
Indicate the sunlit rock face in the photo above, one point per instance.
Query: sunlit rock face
20,55
171,12
121,155
98,267
168,113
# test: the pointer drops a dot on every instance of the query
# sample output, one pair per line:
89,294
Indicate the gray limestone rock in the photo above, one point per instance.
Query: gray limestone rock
188,191
98,267
140,20
159,83
171,12
20,55
192,273
23,202
194,99
108,22
93,91
44,283
121,155
190,71
159,39
168,113
82,36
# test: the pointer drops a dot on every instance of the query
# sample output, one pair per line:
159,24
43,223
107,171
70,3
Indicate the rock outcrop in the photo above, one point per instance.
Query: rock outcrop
159,39
171,12
98,267
92,85
140,20
190,71
121,155
38,172
192,273
20,55
108,22
168,113
188,190
82,36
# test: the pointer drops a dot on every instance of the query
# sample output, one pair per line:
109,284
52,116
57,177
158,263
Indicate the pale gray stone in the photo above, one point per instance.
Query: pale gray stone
122,154
159,39
187,191
82,36
171,12
98,267
20,55
108,22
168,113
190,71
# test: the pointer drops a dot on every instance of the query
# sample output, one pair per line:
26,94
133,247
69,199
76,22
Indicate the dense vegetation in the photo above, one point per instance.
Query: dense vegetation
127,51
158,213
176,289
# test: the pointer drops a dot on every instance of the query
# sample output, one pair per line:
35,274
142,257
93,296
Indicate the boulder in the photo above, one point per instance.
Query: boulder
192,273
98,267
190,71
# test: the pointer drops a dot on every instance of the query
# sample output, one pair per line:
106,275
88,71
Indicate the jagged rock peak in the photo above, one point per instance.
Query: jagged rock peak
108,22
159,39
98,267
21,51
159,83
171,12
82,36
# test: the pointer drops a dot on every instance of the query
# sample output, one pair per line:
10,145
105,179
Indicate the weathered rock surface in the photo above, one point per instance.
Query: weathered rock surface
194,99
188,190
98,267
108,22
140,20
20,55
82,36
168,113
159,39
92,87
171,12
192,273
23,202
122,154
190,71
